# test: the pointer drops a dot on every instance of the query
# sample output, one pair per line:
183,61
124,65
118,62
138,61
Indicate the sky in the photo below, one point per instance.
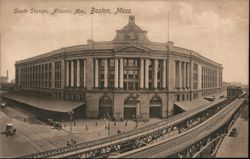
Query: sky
217,29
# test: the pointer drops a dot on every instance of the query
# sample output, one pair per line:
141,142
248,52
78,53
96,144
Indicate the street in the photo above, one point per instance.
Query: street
235,146
33,136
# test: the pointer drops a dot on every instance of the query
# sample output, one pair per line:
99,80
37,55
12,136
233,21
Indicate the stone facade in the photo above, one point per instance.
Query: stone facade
130,73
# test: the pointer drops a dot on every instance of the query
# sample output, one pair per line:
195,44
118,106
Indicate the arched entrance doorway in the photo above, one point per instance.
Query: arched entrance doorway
130,108
105,107
155,107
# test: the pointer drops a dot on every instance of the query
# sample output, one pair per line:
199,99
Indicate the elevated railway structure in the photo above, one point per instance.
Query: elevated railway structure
194,141
103,148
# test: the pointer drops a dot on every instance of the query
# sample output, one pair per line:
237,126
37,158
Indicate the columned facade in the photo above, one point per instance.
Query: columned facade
127,76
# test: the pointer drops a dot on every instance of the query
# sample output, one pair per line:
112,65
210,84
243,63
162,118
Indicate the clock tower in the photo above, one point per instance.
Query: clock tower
131,33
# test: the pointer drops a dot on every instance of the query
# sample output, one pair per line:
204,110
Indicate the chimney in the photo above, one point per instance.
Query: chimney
131,19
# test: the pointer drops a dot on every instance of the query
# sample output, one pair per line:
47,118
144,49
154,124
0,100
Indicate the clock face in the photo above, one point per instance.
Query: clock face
131,36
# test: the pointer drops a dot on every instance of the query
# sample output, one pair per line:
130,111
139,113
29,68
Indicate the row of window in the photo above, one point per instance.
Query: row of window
209,77
131,77
186,97
74,78
36,76
58,76
209,92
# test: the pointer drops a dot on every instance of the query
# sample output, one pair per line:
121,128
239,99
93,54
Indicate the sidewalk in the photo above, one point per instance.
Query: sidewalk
89,129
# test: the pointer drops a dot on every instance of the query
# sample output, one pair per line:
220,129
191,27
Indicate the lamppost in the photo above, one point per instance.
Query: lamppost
71,119
108,124
137,107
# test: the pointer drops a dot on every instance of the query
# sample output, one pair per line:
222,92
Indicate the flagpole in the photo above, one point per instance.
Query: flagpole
91,31
168,25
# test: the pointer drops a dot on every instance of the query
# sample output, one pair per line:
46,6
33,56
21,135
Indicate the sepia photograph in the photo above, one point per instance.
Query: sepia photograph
124,79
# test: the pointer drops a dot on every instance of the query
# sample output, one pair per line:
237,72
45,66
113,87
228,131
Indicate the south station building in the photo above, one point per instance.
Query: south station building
128,77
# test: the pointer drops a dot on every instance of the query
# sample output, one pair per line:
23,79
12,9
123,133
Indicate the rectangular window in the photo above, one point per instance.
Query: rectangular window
178,97
131,85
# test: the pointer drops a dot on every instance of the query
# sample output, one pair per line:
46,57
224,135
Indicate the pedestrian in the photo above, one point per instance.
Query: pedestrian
87,127
95,123
67,142
118,131
74,123
114,123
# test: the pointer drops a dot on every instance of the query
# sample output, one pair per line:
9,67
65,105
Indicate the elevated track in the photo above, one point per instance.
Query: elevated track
185,144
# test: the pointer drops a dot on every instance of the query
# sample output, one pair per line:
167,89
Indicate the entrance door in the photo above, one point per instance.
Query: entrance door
130,108
105,107
155,107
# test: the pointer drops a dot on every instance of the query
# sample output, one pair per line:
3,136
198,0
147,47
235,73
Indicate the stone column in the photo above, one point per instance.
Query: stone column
84,73
78,73
121,73
171,74
116,73
67,73
164,74
146,73
63,79
53,74
199,76
142,73
188,76
72,73
191,75
47,75
19,77
44,72
184,75
96,73
180,76
155,73
105,73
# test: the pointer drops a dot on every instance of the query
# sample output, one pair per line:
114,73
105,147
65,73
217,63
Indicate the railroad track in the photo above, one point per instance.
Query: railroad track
182,141
87,146
40,143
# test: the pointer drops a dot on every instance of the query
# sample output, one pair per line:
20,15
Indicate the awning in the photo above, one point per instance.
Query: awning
48,104
188,105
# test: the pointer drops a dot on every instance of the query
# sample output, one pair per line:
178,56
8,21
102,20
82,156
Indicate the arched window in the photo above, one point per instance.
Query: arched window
130,107
155,101
130,102
155,107
105,101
